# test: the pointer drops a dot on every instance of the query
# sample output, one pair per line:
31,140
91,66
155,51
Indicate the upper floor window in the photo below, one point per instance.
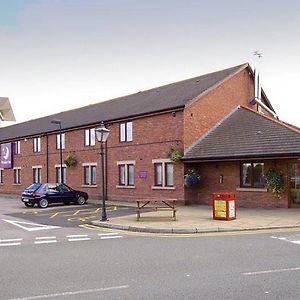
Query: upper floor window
89,137
62,141
17,175
126,173
89,174
126,132
252,174
37,174
163,173
37,144
17,147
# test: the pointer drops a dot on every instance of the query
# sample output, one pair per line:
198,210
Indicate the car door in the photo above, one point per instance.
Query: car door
67,195
52,194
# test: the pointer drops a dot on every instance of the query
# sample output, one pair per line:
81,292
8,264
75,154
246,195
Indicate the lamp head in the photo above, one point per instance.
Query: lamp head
102,133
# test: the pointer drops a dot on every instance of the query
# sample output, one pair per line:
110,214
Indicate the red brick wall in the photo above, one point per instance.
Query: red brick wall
153,137
210,174
200,116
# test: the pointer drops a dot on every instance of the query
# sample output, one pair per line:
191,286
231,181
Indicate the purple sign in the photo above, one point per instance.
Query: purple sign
143,174
6,156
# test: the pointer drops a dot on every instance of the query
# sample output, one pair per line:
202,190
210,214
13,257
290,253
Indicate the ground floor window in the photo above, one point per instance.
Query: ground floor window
126,173
37,174
17,175
252,174
1,176
89,174
163,173
58,174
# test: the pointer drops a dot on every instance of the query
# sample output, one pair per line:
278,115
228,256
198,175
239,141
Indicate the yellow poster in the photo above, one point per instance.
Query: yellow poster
220,209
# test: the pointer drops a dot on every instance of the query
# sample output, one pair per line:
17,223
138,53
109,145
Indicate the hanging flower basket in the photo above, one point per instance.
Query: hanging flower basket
174,155
275,183
191,178
70,161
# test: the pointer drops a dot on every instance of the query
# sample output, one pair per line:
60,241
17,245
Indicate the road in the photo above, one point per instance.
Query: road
255,265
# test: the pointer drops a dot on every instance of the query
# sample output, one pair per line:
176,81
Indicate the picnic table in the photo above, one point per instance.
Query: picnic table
156,204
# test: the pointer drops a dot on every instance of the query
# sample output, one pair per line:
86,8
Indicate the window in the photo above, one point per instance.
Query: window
89,137
17,175
62,141
126,173
37,144
89,174
37,174
252,174
1,176
163,173
126,132
58,173
17,147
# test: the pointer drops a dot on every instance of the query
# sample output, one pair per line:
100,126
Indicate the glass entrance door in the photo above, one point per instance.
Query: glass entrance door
294,186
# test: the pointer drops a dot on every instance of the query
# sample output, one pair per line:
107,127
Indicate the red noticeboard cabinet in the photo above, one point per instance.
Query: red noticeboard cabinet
224,206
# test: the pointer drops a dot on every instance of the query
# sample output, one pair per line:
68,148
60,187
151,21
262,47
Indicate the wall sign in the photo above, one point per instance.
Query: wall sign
6,156
143,174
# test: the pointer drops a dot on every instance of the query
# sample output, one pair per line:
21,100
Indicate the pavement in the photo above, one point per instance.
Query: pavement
199,219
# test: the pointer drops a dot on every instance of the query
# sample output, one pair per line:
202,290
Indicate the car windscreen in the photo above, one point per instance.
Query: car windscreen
33,187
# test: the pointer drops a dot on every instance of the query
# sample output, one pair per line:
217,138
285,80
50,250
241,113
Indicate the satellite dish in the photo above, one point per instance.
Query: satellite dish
6,112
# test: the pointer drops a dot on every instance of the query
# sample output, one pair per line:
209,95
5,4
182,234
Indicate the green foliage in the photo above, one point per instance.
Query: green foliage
275,182
70,161
175,155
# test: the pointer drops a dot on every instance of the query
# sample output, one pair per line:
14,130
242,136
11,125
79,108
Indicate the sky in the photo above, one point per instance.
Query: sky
57,55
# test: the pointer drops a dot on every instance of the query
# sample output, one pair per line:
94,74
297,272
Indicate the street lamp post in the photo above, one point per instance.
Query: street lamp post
102,134
58,122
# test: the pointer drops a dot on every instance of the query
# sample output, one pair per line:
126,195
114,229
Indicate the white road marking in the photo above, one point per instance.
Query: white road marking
10,244
73,293
271,271
11,240
105,234
111,237
45,237
30,226
45,242
77,235
79,239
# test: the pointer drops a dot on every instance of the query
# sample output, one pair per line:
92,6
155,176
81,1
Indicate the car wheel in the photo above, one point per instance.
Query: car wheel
29,204
80,200
43,203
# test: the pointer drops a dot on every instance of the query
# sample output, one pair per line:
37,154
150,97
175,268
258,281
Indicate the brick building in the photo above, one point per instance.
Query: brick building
209,119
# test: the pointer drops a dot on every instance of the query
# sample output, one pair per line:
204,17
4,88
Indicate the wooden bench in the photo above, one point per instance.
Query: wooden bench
156,204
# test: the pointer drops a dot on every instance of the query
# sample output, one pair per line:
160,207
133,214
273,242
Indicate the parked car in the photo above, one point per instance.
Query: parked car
43,194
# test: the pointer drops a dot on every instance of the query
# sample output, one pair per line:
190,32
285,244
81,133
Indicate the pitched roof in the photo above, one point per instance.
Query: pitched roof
166,97
246,134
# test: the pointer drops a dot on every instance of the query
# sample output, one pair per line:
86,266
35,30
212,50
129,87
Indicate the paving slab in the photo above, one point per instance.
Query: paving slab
199,219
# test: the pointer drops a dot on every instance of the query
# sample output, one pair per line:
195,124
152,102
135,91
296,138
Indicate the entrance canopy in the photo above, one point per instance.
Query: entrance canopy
6,112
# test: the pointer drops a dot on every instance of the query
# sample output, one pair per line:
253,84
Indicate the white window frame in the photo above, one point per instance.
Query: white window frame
126,132
89,137
17,147
37,144
17,179
126,164
63,141
164,186
57,173
38,174
89,182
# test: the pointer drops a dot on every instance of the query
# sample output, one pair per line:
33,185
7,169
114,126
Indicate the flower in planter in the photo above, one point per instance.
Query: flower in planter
174,155
191,178
70,161
275,183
